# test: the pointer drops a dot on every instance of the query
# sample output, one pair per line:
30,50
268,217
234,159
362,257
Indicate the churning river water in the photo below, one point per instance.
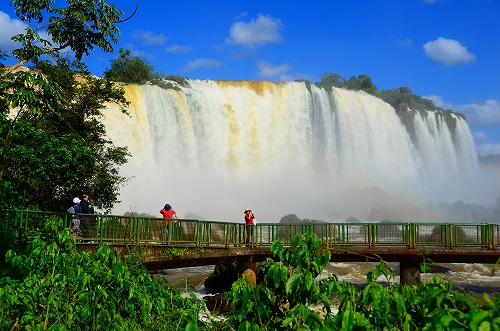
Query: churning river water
479,278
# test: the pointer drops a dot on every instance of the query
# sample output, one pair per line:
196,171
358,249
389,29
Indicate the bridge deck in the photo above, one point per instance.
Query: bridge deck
195,242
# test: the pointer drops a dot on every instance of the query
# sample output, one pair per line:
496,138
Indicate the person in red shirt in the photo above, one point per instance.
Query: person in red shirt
169,216
249,220
168,213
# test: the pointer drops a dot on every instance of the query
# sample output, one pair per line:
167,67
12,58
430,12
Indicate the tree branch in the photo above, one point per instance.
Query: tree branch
121,21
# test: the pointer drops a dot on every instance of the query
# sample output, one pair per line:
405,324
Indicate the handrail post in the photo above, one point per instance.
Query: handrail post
414,234
495,233
369,231
225,239
329,234
199,234
411,235
491,236
406,236
450,229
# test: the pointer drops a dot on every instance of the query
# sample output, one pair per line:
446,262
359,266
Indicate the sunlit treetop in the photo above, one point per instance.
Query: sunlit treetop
81,25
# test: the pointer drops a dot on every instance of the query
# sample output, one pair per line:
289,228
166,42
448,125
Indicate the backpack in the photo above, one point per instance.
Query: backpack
71,210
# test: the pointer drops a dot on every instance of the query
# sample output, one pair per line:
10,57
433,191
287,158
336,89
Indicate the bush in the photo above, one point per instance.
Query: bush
290,296
63,289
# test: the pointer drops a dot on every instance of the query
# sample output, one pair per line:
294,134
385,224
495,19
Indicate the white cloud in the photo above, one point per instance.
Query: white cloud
269,71
149,38
488,149
201,63
178,49
142,54
487,113
263,30
438,101
10,27
448,52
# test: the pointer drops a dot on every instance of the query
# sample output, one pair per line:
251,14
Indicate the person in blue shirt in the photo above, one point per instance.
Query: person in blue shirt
76,209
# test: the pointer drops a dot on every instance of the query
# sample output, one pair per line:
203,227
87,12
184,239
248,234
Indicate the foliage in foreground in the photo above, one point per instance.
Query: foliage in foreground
54,287
290,297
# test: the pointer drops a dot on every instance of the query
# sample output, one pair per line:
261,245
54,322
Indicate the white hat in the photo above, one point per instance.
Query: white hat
76,200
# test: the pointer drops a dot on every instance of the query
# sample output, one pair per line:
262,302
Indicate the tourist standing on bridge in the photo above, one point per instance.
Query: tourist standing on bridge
87,222
169,218
249,222
73,211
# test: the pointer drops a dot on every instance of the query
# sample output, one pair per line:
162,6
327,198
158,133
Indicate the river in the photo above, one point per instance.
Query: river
479,278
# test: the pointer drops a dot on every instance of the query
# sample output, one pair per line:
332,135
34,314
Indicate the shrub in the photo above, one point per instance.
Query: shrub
60,288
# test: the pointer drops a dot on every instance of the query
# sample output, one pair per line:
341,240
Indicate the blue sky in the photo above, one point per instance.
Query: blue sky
446,50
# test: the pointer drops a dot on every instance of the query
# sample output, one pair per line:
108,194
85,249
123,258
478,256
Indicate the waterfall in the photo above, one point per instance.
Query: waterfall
214,148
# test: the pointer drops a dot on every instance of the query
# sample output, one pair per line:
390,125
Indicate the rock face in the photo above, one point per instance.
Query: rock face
220,282
222,279
216,302
438,269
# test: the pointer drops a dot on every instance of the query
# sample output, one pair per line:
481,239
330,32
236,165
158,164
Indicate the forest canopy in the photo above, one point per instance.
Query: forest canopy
402,99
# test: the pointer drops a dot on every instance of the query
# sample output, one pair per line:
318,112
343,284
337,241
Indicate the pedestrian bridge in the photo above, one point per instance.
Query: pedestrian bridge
190,242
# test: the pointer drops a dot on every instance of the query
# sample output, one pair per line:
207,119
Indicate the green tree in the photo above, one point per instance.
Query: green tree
284,299
80,26
331,79
290,295
290,219
52,141
64,153
131,69
362,82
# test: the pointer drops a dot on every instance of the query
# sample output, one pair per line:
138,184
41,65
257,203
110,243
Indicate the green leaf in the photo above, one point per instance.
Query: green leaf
485,326
191,327
445,320
477,319
292,282
347,320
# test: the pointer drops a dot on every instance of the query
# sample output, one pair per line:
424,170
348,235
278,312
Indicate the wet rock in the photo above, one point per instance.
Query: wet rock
437,269
222,279
216,302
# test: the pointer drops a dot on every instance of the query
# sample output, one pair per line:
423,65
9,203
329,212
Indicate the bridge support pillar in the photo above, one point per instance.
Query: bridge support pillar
409,270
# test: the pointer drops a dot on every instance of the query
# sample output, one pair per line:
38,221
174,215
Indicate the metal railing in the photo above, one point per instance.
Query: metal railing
115,229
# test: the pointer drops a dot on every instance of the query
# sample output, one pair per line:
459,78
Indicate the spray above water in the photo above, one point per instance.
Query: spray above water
215,148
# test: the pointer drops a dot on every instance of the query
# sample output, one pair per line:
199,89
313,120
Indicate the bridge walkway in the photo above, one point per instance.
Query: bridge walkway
198,242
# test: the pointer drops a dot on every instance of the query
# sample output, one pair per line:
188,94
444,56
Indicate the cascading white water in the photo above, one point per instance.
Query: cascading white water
216,148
